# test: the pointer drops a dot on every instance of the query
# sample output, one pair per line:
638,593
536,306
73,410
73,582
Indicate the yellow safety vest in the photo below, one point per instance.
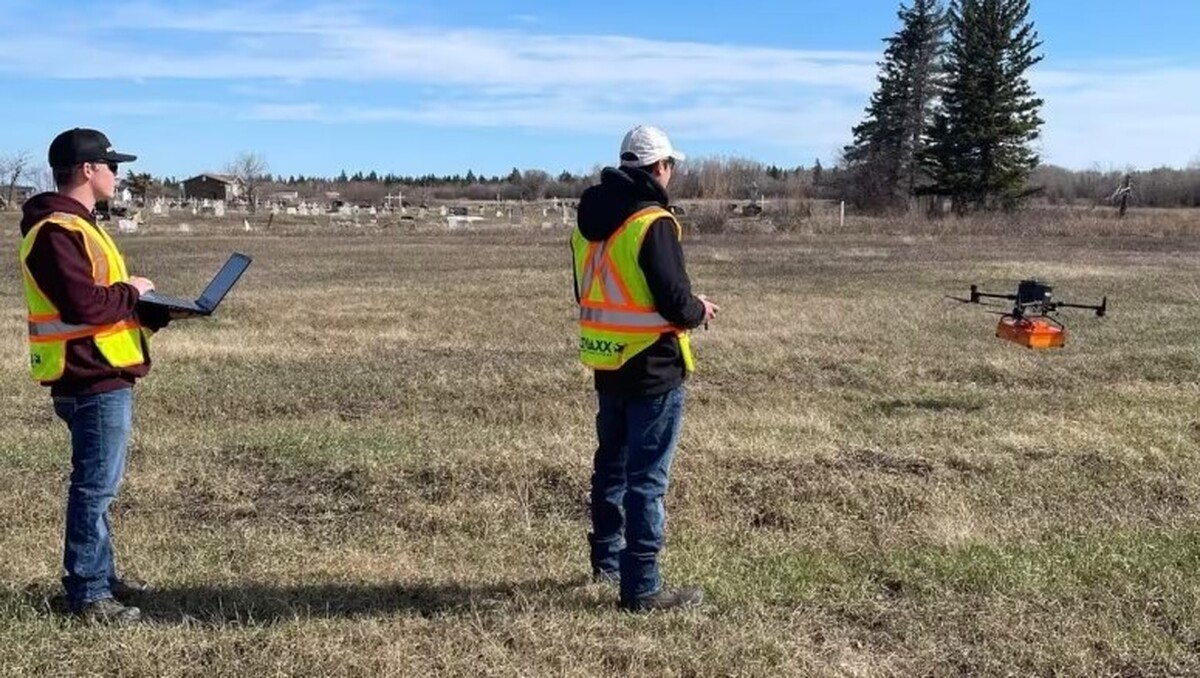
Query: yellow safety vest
617,318
121,343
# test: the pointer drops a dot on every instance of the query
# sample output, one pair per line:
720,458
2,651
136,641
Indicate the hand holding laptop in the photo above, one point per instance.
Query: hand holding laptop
142,285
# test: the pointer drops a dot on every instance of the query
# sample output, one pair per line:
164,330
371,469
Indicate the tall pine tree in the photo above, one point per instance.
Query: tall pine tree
888,143
980,152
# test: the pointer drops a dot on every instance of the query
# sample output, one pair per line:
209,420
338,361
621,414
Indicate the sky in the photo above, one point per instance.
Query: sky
318,87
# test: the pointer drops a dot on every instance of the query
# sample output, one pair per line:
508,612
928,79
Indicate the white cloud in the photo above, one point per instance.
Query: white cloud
1108,112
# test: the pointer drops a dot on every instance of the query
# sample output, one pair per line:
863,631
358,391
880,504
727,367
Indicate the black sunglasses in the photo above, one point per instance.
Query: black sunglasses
112,166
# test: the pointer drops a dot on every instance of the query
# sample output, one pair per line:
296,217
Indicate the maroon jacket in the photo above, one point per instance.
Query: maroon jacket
61,268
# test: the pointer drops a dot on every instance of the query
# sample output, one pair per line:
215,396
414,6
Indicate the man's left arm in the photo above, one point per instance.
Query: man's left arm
153,317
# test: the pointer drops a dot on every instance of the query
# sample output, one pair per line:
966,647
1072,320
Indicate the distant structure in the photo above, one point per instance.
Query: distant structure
19,195
221,187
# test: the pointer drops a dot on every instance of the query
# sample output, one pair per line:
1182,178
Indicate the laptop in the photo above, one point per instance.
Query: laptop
208,301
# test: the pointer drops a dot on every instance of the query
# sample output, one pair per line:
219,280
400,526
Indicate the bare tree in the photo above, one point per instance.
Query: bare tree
251,170
41,178
533,184
12,168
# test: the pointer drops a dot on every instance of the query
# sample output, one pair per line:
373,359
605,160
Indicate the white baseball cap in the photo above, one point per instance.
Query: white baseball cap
645,145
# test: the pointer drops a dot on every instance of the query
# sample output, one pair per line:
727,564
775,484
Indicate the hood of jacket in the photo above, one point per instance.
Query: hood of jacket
43,205
621,192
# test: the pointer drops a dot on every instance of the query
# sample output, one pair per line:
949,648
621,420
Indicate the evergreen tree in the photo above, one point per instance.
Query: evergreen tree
980,151
888,144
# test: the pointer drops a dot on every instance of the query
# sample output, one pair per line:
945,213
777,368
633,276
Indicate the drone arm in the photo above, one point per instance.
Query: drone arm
977,294
1100,310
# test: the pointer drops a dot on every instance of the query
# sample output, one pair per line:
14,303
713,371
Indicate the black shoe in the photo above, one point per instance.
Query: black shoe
128,587
606,577
109,611
666,599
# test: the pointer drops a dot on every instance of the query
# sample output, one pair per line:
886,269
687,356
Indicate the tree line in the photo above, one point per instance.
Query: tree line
951,124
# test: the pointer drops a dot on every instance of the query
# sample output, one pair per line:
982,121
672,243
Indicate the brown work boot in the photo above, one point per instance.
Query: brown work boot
128,587
109,611
666,599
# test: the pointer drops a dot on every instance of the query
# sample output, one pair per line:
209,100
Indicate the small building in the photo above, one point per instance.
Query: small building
222,187
19,195
284,198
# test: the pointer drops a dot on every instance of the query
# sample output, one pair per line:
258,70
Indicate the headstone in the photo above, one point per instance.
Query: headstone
185,227
127,226
219,209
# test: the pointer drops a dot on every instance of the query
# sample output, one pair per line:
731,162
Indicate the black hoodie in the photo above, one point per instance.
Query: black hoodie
602,209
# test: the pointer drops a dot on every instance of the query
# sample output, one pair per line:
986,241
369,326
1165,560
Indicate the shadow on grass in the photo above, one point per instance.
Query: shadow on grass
259,604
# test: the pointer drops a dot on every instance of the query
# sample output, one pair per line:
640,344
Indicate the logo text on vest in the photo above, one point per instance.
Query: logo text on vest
600,346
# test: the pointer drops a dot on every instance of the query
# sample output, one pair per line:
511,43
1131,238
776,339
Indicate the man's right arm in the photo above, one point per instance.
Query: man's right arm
60,266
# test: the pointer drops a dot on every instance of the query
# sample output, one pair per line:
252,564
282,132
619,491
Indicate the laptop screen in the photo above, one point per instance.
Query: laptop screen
223,281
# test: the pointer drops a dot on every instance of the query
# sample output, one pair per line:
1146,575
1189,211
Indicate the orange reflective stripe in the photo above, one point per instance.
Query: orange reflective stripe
628,329
595,259
99,263
638,215
42,317
618,307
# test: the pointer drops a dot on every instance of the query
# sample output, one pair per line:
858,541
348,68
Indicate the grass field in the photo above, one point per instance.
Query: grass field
374,461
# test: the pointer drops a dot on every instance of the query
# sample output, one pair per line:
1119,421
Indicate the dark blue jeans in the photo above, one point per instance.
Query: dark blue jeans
637,441
100,425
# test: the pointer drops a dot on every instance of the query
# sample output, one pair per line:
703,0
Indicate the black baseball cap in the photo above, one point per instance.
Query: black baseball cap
80,145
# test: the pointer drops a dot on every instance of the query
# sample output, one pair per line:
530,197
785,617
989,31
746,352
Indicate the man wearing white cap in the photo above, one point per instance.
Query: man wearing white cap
635,309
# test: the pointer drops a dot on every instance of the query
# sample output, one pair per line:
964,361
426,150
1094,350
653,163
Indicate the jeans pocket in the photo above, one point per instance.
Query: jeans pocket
64,407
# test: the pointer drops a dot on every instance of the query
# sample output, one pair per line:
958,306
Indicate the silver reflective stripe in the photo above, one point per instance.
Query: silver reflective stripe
647,319
55,327
594,263
612,291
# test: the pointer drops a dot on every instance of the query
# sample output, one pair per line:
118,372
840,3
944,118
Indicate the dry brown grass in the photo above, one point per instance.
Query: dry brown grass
374,461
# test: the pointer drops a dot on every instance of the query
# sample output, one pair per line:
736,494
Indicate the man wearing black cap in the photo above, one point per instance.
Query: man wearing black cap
88,341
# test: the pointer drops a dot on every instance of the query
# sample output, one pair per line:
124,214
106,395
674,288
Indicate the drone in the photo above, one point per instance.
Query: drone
1031,322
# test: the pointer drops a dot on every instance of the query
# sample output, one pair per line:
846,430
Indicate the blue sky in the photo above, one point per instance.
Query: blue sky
408,87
